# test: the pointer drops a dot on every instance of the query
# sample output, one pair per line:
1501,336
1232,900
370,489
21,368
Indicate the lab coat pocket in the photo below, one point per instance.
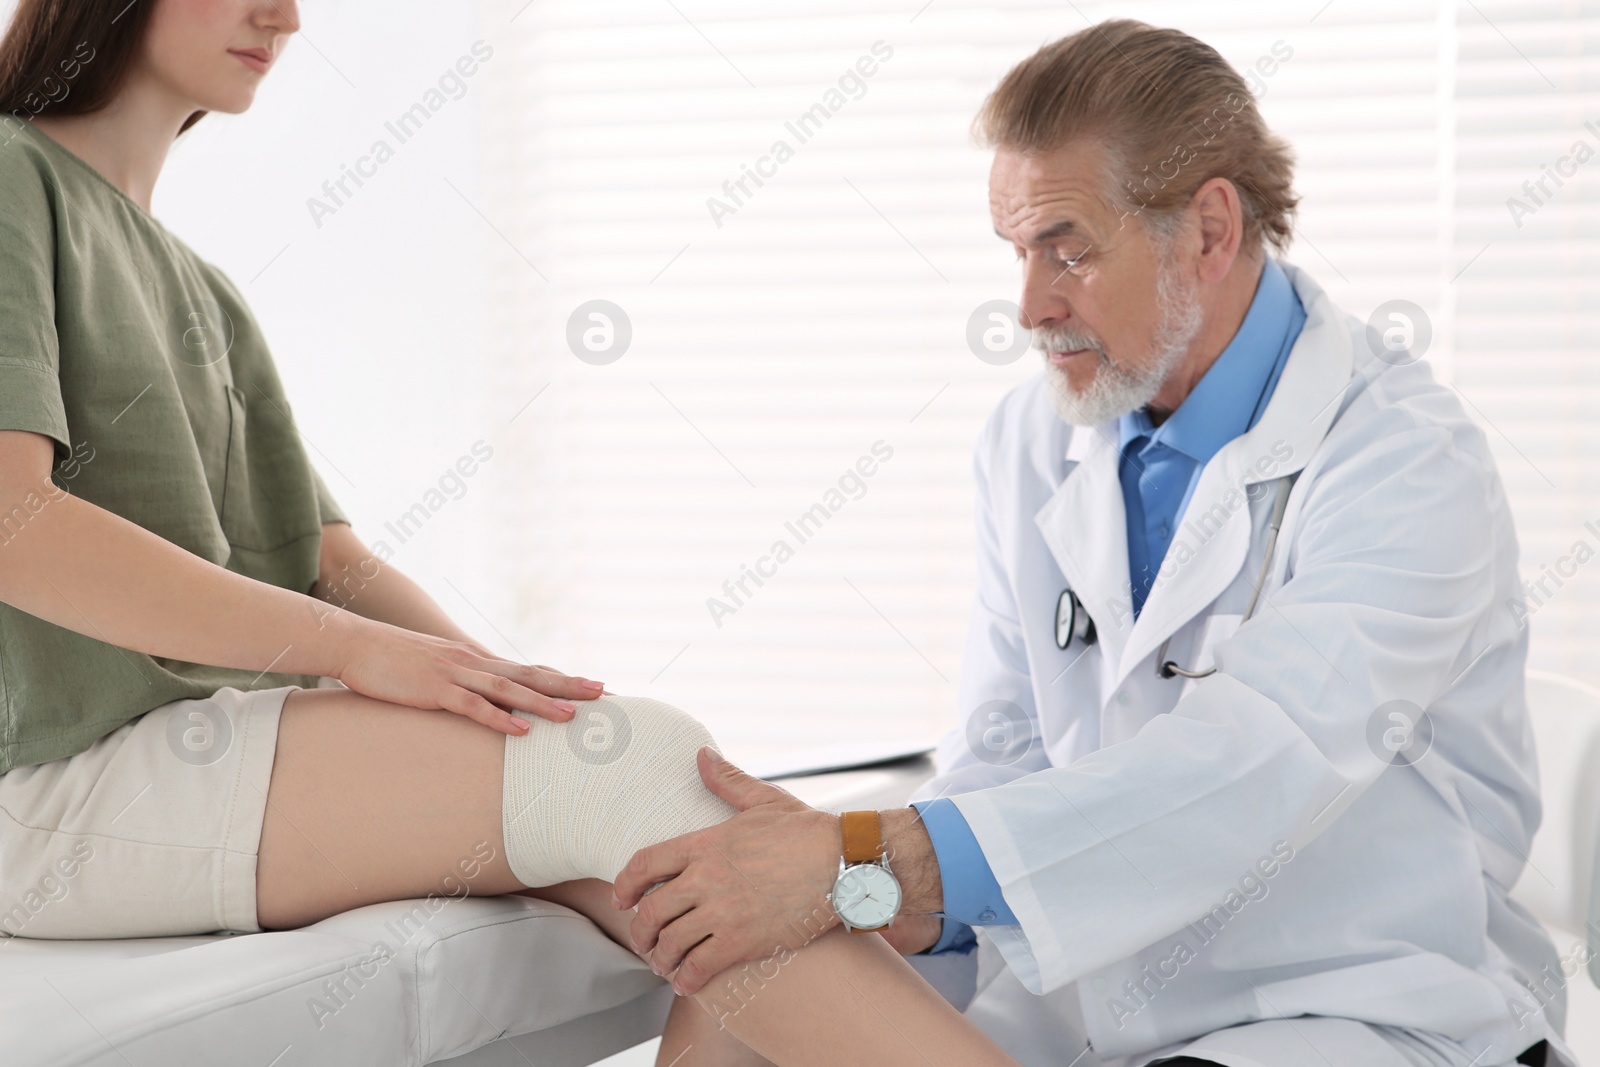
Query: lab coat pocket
1216,629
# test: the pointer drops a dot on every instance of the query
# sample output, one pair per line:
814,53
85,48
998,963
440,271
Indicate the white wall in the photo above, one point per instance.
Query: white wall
377,316
773,344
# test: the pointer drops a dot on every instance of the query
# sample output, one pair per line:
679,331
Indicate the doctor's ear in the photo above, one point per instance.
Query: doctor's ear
1221,216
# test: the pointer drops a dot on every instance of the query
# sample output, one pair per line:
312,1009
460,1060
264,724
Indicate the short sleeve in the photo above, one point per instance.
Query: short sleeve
326,505
30,379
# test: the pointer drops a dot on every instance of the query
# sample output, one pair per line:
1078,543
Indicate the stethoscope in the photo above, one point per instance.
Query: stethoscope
1074,623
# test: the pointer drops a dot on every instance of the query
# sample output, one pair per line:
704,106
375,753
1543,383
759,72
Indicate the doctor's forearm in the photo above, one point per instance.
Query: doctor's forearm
911,858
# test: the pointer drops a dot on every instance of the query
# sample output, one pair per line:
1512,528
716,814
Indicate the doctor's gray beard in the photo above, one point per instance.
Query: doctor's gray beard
1117,388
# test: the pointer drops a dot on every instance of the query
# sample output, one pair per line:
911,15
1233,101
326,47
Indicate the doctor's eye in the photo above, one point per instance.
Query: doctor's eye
1069,257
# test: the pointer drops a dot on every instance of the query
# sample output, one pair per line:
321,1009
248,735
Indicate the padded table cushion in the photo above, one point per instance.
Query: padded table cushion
391,984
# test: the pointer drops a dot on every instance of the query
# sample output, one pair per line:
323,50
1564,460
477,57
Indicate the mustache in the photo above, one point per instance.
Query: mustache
1066,339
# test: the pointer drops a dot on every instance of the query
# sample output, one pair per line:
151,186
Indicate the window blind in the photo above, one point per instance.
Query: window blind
741,250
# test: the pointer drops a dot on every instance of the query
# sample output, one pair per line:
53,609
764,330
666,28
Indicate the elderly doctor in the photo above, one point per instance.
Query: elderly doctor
1245,773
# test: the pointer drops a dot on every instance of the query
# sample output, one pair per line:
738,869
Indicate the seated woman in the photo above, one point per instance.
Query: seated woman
173,579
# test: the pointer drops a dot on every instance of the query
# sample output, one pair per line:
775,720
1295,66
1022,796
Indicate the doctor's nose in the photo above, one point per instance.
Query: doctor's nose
1042,303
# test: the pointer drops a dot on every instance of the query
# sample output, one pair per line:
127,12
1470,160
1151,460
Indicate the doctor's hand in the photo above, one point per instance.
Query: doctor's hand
743,889
758,884
910,934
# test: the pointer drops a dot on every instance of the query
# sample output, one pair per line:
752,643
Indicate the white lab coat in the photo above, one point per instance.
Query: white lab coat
1248,816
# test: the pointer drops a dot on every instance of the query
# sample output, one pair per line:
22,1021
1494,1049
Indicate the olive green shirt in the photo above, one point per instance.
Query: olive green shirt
144,364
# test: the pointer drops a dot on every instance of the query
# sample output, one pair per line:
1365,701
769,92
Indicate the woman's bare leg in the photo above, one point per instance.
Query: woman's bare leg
372,801
689,1026
591,898
693,1038
844,998
875,1006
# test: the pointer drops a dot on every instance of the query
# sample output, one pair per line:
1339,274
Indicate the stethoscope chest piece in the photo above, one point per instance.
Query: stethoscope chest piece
1072,621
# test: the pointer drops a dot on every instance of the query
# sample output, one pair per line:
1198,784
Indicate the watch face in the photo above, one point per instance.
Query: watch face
866,895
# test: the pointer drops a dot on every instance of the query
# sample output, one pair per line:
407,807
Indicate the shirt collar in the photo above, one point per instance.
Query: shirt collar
1223,403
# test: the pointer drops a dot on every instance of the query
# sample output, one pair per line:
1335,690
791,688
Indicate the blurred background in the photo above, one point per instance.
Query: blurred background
751,345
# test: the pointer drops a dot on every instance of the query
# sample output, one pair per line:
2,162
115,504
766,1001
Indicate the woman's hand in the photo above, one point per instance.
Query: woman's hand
421,671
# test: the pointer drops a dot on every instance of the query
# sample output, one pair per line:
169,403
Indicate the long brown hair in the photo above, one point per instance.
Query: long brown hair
69,57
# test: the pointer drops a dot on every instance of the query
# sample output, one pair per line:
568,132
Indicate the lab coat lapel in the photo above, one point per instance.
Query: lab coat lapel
1085,528
1214,536
1210,545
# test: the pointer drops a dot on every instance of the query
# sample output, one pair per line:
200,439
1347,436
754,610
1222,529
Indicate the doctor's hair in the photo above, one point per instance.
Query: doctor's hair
69,57
1170,113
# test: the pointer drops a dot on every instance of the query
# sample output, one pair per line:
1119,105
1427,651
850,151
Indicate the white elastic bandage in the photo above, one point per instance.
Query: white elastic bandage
581,797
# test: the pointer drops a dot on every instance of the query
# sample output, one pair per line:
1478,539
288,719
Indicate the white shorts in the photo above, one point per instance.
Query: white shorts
151,831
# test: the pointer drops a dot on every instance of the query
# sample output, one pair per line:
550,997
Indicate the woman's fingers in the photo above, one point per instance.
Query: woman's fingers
543,680
572,686
547,680
501,690
465,678
466,703
554,683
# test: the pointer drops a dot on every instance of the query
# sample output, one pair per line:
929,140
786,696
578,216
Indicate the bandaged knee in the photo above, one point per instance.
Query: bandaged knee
581,797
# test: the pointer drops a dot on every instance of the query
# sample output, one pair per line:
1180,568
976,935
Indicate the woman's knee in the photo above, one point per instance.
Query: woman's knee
371,801
581,797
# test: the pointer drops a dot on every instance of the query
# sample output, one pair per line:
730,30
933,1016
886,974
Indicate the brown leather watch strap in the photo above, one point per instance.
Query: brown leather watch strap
863,836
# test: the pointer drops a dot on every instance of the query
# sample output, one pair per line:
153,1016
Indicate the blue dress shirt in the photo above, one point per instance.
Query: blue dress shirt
1158,468
1160,465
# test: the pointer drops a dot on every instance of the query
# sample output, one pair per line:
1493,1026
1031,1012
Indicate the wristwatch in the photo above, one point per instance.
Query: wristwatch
866,894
